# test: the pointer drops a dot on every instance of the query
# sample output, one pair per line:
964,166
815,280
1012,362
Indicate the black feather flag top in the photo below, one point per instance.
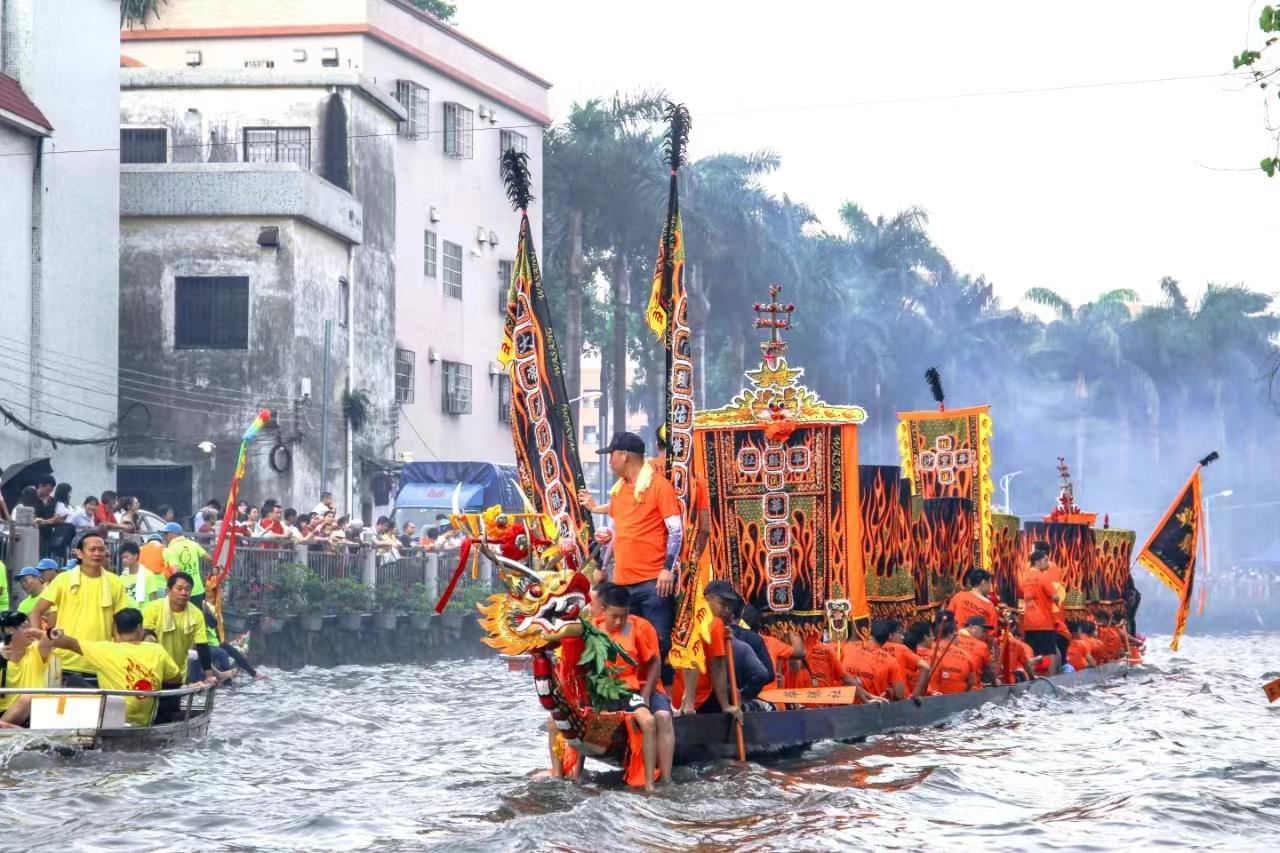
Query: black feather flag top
542,426
934,378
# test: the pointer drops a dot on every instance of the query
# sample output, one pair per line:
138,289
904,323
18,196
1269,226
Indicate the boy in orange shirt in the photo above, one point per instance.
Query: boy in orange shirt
973,641
953,670
914,666
653,710
1078,653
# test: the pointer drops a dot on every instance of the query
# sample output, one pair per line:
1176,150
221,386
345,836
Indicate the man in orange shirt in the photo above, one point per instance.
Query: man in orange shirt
653,712
953,670
1097,648
914,667
699,498
1039,618
975,600
1078,653
707,692
1112,642
646,532
972,640
1022,660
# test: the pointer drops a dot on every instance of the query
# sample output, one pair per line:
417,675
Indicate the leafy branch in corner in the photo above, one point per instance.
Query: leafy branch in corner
599,652
1262,69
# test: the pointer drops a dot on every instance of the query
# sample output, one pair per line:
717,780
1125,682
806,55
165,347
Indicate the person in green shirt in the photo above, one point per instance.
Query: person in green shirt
183,555
4,587
29,580
178,625
131,571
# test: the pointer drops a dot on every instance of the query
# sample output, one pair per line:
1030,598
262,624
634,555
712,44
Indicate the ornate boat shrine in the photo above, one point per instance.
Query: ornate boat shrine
818,542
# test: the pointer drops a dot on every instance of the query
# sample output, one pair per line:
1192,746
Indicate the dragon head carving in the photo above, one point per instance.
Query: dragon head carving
538,609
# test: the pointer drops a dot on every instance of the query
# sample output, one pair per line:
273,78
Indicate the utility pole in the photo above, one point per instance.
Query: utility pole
325,394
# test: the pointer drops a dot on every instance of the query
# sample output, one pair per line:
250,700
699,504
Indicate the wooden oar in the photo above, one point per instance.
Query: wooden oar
733,692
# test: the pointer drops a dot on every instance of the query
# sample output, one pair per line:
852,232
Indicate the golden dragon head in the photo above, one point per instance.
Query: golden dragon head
538,609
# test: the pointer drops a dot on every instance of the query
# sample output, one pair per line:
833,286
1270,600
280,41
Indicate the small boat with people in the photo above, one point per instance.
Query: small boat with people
78,719
756,586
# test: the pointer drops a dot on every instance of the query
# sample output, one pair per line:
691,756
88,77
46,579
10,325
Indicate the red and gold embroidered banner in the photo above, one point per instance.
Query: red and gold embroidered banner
947,454
1170,552
888,550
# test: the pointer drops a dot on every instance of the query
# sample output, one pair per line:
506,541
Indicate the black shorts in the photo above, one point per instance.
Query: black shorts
1042,642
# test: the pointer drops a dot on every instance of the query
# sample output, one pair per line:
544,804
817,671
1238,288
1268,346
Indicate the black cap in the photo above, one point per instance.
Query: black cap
628,442
722,589
977,622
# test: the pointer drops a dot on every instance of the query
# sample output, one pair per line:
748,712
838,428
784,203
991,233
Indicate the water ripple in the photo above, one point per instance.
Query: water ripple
451,755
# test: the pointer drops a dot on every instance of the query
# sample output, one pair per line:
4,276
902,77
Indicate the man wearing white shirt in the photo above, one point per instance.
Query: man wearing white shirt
325,505
83,517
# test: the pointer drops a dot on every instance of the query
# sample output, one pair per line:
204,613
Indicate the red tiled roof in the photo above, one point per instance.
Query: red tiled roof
14,100
130,62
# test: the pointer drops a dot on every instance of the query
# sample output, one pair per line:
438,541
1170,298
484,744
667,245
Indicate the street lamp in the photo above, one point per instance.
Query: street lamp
1208,544
596,392
1004,487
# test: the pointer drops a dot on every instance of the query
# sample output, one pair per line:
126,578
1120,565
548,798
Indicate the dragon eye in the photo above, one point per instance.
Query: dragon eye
535,590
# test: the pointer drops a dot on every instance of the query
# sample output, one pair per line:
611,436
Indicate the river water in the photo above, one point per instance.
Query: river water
449,756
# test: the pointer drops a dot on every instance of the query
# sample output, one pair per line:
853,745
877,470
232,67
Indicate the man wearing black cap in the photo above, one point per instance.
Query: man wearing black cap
645,529
708,691
972,640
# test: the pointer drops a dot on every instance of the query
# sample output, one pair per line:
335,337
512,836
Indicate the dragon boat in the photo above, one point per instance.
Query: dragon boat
818,542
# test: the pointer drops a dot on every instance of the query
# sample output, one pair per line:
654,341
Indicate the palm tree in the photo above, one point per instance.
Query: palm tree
596,160
1083,346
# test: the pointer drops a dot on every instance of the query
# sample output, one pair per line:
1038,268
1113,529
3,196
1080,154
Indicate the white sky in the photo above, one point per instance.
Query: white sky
1081,191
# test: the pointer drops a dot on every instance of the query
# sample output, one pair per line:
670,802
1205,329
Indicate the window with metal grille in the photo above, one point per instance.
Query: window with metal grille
505,269
509,139
459,135
404,375
504,399
452,270
457,388
278,145
211,312
416,100
144,145
429,255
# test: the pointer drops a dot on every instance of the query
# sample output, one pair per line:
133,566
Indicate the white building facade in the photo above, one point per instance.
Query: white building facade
59,233
455,230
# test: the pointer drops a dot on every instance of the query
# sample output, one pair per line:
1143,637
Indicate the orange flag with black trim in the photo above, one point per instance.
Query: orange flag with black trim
1272,689
1170,553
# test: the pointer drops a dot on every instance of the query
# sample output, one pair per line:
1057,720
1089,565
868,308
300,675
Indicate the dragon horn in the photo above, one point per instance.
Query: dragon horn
457,499
528,505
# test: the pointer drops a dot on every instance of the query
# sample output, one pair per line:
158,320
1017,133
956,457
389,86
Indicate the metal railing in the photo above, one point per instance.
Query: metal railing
189,692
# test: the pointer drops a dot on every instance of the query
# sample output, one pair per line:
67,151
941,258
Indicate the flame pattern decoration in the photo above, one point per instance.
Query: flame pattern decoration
1072,548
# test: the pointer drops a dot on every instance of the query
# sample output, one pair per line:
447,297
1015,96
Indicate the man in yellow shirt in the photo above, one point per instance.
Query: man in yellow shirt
85,598
25,657
183,555
126,664
178,625
140,583
32,586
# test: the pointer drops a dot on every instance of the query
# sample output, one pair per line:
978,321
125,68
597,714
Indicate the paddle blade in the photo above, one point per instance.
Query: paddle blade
1272,689
844,695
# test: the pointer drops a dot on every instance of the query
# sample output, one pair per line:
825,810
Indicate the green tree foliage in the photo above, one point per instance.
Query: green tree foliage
1262,65
134,12
442,9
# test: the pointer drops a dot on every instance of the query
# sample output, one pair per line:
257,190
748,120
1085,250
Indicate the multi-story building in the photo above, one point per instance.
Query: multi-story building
59,235
455,231
258,213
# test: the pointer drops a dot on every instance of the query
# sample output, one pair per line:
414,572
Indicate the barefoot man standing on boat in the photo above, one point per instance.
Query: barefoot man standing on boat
646,530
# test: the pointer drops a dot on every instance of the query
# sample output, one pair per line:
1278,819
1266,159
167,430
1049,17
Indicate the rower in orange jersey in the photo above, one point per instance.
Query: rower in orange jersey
975,600
914,666
1079,655
820,666
953,668
1112,641
1096,647
1022,661
972,639
877,666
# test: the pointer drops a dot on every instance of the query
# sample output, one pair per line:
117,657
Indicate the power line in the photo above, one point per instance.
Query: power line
911,99
405,415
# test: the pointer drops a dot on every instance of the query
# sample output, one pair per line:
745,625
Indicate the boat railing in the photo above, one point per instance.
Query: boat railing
188,692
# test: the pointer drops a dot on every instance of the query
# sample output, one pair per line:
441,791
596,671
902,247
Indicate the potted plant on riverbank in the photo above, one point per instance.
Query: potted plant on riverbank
422,606
315,594
283,597
351,600
389,601
462,606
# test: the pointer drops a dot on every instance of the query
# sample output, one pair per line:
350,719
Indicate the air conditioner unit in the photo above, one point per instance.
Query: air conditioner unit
433,214
484,111
493,117
432,355
194,58
495,369
299,55
404,455
482,235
